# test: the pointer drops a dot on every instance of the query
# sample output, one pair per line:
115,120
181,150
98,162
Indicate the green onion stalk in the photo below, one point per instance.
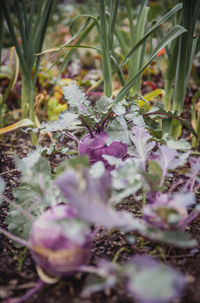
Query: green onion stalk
33,18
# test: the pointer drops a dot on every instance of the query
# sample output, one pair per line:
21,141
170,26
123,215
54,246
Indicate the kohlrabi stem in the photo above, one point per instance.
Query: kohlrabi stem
71,136
143,197
106,119
14,238
174,186
89,129
116,256
26,214
29,293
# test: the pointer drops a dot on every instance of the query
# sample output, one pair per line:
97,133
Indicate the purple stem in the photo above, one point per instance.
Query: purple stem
28,295
129,122
155,113
175,185
20,209
71,136
14,238
89,129
106,119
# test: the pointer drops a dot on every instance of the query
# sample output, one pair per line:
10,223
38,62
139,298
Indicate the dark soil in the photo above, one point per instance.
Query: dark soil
17,269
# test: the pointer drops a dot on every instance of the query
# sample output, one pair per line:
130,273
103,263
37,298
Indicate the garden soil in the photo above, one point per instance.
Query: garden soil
17,270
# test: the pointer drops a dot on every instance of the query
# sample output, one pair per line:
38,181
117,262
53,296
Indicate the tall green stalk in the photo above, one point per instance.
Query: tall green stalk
186,52
33,22
106,53
135,35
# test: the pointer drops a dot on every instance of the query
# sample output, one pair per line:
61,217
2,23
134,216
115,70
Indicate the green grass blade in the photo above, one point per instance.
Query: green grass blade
87,21
190,13
13,78
139,54
30,21
1,32
113,15
7,16
174,10
170,36
118,70
106,62
71,51
38,46
124,49
21,28
25,17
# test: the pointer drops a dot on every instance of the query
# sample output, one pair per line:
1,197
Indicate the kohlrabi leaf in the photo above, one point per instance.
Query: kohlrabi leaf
118,131
193,173
113,160
159,111
34,195
179,238
135,116
89,197
153,176
2,187
65,120
97,170
181,144
126,180
98,111
142,146
161,283
169,159
108,276
120,109
76,98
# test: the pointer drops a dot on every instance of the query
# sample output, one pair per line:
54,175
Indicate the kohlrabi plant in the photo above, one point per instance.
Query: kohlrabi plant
166,212
60,237
107,130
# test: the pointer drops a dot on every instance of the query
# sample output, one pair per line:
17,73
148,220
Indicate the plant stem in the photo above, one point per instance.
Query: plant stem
14,238
116,257
106,54
29,294
168,94
89,129
25,95
1,111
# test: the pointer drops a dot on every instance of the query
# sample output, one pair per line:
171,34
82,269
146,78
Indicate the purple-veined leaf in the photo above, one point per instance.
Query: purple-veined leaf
170,211
142,144
89,196
194,173
76,98
169,159
146,279
152,282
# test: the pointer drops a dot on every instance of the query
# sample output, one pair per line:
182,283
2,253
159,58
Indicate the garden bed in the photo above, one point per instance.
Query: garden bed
17,269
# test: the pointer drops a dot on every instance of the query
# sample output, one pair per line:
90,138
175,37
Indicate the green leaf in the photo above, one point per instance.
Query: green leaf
159,111
181,144
35,194
65,120
170,36
175,9
118,131
178,238
2,187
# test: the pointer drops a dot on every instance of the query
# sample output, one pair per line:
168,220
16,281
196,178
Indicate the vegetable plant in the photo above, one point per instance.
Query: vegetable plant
59,238
33,22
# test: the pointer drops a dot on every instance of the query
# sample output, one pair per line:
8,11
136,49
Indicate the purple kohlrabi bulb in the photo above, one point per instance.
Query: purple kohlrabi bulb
96,147
51,249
